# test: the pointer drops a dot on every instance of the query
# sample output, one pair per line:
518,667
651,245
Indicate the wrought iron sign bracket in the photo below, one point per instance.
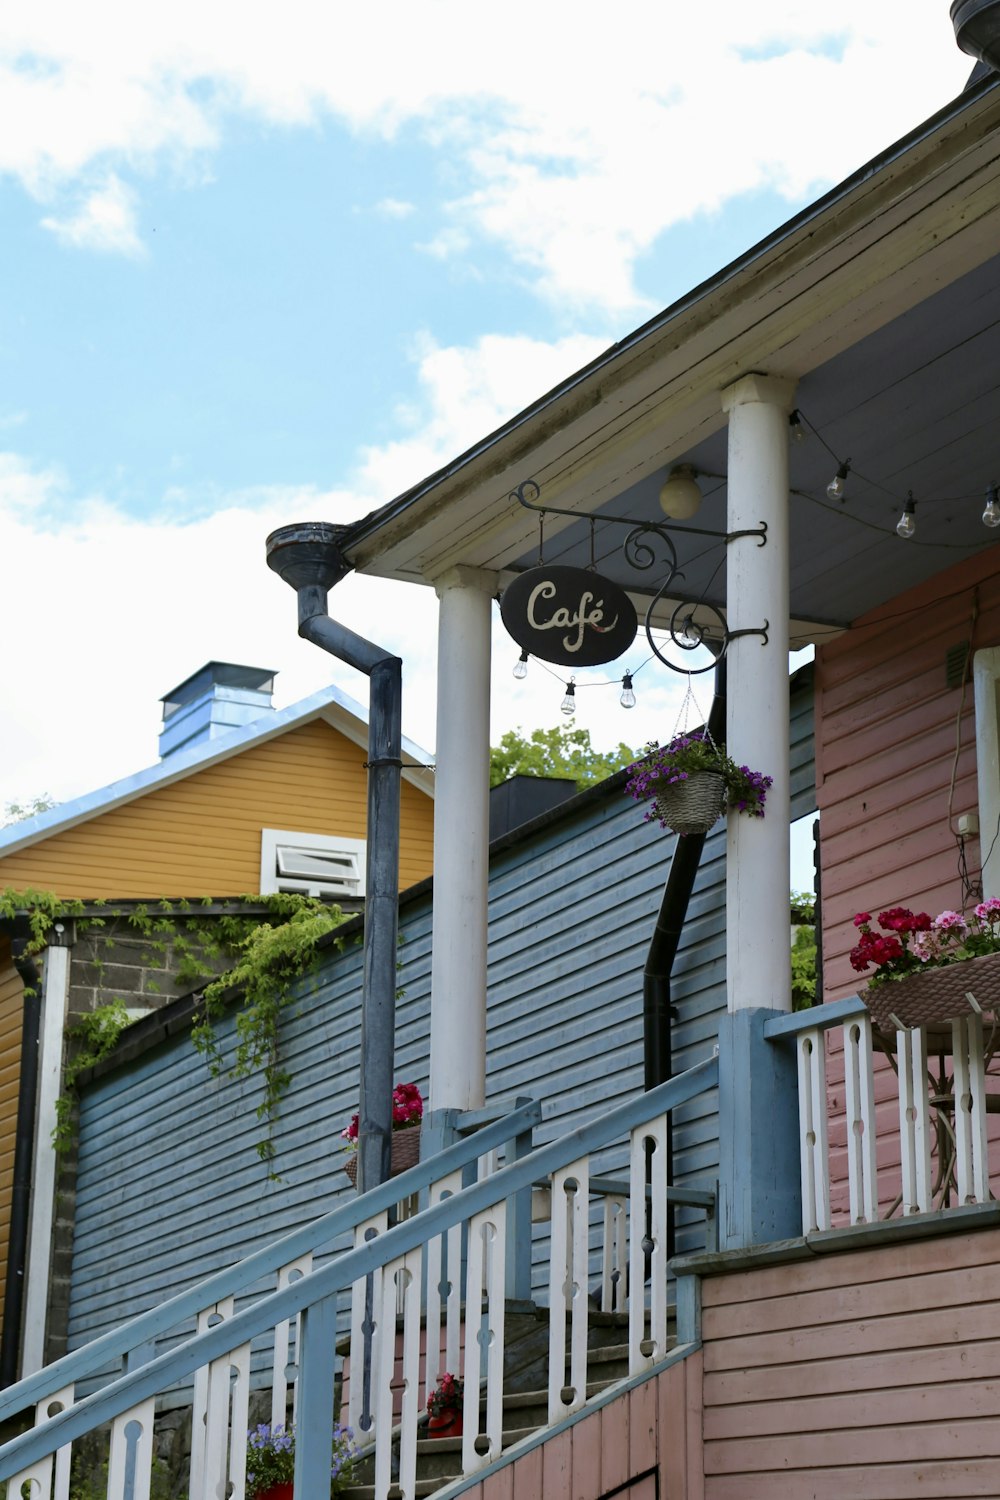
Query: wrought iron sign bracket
640,555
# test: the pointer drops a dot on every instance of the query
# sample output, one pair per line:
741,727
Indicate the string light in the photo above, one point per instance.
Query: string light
838,484
521,666
627,699
568,705
797,427
907,523
991,515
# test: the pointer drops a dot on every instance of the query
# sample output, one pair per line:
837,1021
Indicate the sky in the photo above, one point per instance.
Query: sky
263,264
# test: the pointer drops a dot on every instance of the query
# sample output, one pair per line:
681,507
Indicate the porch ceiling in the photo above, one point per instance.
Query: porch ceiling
883,301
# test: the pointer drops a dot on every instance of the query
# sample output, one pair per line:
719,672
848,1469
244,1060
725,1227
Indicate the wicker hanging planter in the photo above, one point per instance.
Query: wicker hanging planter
937,994
405,1154
693,805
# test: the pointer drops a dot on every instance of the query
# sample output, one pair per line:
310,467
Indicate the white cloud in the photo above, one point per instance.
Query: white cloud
143,602
395,208
577,139
105,221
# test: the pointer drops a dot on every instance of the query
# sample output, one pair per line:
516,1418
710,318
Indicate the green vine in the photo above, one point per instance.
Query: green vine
271,956
91,1037
258,957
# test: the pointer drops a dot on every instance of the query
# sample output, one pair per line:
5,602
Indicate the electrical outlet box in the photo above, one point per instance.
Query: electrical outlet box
968,825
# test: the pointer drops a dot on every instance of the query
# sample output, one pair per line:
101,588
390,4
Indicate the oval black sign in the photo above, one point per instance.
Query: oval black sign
569,616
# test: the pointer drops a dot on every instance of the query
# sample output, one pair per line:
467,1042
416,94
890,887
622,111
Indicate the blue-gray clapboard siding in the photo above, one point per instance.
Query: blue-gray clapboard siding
170,1186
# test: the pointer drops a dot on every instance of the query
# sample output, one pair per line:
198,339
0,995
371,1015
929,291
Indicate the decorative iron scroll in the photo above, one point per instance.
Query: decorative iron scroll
640,552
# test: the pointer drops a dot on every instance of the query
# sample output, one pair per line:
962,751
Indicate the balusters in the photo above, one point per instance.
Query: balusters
400,1289
366,1312
444,1290
812,1131
914,1120
648,1245
859,1086
613,1261
40,1478
568,1292
971,1159
484,1335
130,1459
283,1348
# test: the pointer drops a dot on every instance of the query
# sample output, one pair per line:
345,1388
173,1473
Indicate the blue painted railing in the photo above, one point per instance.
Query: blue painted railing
170,1316
313,1298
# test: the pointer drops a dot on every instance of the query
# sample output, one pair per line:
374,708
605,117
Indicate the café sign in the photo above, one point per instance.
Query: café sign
570,616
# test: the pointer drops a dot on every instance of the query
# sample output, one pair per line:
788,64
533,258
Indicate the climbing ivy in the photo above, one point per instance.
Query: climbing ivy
259,958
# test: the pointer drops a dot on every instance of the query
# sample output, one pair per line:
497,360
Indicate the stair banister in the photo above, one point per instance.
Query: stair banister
159,1320
315,1295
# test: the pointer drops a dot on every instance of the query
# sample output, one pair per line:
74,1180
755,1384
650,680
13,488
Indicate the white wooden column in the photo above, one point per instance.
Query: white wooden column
757,590
55,992
461,840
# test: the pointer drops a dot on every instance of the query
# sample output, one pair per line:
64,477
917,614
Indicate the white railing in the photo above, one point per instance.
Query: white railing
460,1240
941,1113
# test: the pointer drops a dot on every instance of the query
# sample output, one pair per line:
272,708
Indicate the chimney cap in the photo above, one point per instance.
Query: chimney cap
217,674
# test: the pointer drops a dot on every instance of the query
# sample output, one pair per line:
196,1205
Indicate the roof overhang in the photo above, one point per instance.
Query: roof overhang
851,280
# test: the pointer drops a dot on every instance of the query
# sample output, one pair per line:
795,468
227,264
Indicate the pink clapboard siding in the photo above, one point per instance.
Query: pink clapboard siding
886,733
644,1445
873,1375
890,736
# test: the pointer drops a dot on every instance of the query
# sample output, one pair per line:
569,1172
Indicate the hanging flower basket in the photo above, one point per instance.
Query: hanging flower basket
693,805
928,968
405,1154
932,995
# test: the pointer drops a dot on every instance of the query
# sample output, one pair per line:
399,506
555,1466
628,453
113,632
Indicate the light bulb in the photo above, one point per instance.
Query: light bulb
907,523
627,699
838,484
797,427
521,666
991,515
690,631
568,705
680,495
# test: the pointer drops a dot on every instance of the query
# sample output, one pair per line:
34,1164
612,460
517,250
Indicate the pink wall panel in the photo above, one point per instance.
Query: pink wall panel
873,1375
887,727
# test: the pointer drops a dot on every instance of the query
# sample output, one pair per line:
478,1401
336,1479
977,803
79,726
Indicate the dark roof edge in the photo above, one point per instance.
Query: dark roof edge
359,531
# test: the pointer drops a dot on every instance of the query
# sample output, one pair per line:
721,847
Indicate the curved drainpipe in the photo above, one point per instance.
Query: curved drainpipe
24,1150
308,557
657,1012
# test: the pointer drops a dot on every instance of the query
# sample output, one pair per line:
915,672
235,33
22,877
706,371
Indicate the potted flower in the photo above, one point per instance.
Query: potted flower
444,1406
925,968
407,1113
689,781
271,1461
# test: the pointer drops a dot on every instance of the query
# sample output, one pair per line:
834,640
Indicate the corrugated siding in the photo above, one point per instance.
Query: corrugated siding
11,1003
869,1375
201,835
887,727
571,912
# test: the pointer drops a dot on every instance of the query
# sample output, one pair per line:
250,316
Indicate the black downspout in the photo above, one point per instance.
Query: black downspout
308,558
657,1012
24,1150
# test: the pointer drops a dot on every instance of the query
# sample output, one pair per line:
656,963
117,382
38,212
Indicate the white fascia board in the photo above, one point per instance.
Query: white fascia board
336,708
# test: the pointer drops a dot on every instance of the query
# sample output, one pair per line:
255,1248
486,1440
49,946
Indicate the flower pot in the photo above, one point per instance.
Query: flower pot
446,1423
276,1492
692,805
405,1154
937,994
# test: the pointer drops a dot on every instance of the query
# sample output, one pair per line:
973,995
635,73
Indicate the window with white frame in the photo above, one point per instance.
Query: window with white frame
313,864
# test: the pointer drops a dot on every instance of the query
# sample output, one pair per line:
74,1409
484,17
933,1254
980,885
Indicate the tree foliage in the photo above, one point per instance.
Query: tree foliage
16,812
560,751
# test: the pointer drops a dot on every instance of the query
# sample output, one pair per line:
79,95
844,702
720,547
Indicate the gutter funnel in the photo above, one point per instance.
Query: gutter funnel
308,557
977,29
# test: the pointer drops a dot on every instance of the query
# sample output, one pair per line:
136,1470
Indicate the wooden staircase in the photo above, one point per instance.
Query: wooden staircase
525,1400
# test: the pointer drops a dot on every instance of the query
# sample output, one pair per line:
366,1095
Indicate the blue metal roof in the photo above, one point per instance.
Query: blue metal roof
341,711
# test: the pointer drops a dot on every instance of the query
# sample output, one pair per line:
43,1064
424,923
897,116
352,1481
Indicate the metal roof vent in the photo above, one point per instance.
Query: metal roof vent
220,697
